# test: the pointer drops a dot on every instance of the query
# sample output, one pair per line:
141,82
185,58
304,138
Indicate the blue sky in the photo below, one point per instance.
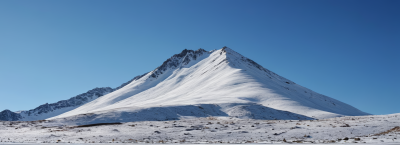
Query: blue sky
54,50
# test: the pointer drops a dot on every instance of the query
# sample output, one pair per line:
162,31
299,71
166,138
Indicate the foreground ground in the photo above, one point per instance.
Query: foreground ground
362,129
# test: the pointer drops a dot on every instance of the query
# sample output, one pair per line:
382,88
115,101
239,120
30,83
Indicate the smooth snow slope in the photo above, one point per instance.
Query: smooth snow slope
236,85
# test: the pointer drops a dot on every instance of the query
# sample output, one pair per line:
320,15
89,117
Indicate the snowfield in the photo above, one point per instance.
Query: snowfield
376,129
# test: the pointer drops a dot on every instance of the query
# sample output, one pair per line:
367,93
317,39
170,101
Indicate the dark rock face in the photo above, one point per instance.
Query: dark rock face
7,115
176,60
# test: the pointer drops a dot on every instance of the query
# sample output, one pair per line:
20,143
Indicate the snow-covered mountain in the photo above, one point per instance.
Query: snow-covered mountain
50,110
209,83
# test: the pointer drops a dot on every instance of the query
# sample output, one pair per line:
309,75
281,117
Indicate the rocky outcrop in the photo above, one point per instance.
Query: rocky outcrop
176,60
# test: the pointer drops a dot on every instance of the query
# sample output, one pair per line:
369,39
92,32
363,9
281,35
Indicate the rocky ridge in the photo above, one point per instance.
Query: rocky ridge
34,114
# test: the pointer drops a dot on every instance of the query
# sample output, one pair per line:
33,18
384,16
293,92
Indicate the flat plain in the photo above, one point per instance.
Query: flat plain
376,129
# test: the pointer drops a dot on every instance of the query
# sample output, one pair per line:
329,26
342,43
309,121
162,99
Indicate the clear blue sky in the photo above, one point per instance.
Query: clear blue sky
54,50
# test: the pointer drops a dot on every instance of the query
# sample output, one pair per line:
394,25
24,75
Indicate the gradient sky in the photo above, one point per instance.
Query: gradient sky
54,50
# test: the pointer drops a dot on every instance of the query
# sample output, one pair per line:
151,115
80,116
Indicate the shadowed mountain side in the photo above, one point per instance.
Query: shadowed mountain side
163,113
8,115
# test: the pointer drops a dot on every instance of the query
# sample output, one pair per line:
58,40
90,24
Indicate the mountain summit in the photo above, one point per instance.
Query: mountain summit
209,83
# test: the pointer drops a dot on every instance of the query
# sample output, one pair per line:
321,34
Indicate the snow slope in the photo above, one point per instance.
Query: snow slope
234,84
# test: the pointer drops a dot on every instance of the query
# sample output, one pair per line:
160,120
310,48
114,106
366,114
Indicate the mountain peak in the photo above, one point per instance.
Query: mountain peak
230,52
224,48
196,83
